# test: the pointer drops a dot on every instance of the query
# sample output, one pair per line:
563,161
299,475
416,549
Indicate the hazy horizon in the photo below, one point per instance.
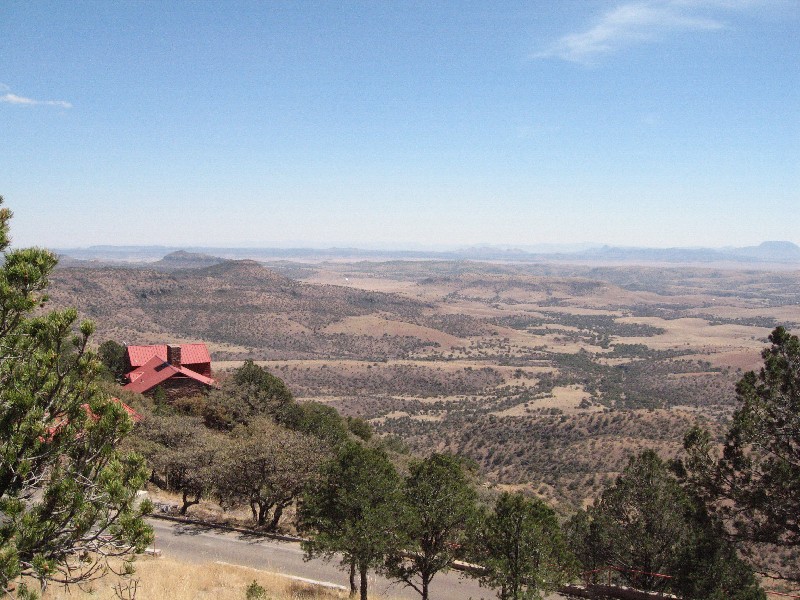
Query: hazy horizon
409,247
638,123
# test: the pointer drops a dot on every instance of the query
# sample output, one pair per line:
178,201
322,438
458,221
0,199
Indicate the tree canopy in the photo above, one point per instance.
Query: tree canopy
67,496
659,537
521,549
439,507
754,484
112,355
252,391
265,466
352,509
182,454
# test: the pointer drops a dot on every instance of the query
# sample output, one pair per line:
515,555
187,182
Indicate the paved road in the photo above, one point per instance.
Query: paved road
199,544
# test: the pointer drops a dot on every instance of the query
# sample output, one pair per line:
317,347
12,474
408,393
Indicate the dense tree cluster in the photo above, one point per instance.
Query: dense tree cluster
411,528
248,443
264,450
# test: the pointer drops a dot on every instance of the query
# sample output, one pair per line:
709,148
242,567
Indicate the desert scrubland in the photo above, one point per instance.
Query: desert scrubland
548,375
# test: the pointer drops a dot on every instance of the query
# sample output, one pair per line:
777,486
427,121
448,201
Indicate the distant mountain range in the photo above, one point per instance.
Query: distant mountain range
769,252
169,258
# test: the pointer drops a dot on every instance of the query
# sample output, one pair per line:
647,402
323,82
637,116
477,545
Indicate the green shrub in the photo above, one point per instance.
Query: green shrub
255,591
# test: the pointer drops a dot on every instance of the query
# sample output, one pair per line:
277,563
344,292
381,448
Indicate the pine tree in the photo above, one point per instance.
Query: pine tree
352,509
521,549
439,509
646,525
67,496
754,485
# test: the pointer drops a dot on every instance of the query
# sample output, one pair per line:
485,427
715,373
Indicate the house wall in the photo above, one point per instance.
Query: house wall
179,387
202,368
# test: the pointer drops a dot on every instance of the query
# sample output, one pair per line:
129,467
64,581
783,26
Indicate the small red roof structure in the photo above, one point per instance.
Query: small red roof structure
135,416
194,357
157,371
53,429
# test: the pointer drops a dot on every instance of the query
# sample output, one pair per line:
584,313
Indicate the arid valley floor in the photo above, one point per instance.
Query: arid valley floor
548,375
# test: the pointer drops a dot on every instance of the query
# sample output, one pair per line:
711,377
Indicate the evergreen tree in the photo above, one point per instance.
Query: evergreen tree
251,392
353,510
112,355
754,485
440,506
66,494
647,524
521,548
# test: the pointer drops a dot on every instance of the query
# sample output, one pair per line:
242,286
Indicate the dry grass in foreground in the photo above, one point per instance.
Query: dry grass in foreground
166,579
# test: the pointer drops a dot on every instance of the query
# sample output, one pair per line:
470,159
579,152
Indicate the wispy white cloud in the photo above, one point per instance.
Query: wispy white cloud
637,22
10,98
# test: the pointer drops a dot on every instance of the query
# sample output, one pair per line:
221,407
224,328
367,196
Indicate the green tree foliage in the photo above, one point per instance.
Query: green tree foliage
352,510
112,355
269,386
360,428
439,507
521,548
66,494
755,484
647,524
317,419
251,392
182,454
266,466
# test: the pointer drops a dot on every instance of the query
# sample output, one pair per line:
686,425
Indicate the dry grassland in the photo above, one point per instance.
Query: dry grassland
699,333
168,579
565,398
363,283
375,326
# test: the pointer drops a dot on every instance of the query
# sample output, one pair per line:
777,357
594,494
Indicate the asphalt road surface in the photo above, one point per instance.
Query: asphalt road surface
200,544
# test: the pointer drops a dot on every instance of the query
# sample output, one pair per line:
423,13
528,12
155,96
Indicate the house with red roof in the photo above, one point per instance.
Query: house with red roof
194,357
179,370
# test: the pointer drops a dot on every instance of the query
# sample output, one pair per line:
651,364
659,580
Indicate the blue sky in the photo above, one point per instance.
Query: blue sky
640,122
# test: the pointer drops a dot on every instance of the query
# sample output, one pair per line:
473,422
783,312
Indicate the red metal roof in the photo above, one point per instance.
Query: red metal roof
135,416
156,371
131,413
191,354
139,355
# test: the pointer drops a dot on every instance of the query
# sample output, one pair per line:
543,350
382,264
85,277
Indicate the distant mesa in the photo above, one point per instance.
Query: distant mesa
772,251
767,252
181,259
245,271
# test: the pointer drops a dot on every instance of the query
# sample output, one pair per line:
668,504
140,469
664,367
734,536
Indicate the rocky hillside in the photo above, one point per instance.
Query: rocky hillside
247,310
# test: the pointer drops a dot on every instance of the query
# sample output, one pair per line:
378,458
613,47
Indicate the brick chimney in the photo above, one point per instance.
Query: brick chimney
174,356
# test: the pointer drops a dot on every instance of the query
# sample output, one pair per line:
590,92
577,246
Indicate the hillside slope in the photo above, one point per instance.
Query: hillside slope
241,307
